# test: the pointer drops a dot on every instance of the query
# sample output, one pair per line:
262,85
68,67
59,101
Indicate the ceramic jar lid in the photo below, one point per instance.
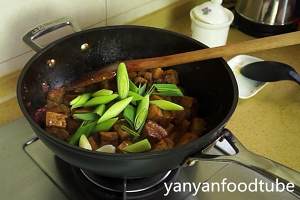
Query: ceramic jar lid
211,12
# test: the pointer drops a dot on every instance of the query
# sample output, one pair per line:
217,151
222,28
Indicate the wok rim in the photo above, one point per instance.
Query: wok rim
128,156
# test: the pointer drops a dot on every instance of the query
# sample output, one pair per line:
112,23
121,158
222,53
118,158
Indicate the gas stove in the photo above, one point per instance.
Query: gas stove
38,174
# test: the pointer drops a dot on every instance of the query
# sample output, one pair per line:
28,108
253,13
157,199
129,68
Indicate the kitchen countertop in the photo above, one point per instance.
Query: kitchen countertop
267,124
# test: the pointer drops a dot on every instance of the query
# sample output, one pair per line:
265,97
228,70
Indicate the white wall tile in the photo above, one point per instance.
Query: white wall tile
18,16
19,61
117,7
132,10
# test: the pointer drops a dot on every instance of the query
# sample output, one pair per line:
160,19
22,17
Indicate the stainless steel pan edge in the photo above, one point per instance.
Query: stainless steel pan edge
239,154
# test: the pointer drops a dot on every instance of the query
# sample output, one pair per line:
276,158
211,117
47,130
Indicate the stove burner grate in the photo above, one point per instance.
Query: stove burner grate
87,185
132,185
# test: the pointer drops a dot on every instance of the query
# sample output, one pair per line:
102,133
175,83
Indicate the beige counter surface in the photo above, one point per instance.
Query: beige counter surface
268,123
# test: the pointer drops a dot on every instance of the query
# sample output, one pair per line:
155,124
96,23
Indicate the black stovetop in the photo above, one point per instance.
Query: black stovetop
77,184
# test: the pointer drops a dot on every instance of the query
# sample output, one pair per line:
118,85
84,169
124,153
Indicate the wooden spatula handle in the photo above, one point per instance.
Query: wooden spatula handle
210,53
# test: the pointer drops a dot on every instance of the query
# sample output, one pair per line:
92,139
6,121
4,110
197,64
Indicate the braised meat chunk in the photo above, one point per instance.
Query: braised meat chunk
153,131
157,73
171,76
109,138
140,80
164,144
187,137
154,113
94,141
56,95
58,108
186,101
60,133
148,77
72,125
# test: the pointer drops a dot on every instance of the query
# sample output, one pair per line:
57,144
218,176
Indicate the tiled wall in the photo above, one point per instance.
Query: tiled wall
18,16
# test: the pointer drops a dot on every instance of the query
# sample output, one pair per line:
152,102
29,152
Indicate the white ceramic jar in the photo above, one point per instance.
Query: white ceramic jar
210,23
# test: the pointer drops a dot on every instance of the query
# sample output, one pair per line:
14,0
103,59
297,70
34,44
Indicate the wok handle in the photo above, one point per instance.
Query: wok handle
237,153
48,27
295,76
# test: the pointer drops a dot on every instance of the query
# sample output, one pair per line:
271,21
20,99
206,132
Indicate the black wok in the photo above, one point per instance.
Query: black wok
211,82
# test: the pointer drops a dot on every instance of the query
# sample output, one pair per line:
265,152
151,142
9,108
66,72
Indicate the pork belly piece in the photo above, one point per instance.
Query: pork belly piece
159,116
56,119
94,141
163,144
156,97
140,80
186,101
154,131
72,125
109,138
171,76
187,137
170,128
157,73
154,113
58,108
148,77
166,119
132,75
68,98
181,115
60,133
56,95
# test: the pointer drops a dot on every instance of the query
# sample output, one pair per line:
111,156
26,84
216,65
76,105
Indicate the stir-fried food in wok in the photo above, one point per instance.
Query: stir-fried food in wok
131,112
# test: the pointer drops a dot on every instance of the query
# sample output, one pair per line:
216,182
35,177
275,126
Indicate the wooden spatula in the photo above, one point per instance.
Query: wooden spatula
249,46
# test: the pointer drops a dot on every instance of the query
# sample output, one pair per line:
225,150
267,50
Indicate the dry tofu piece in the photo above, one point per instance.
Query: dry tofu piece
56,119
124,144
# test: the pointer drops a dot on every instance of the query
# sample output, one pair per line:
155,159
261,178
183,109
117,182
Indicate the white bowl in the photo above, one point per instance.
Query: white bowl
247,87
